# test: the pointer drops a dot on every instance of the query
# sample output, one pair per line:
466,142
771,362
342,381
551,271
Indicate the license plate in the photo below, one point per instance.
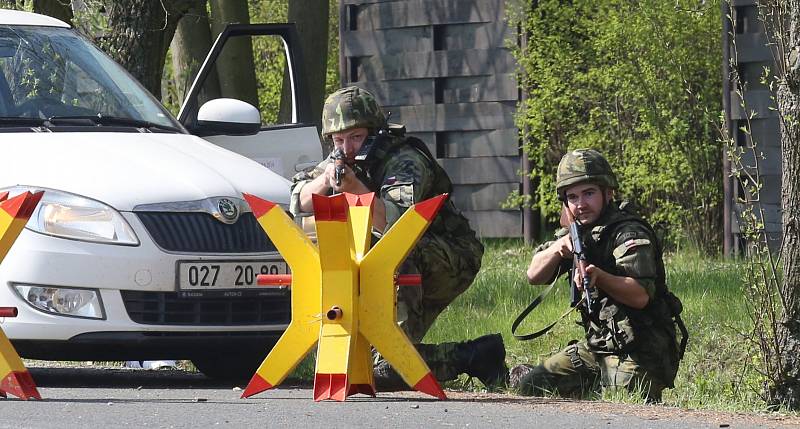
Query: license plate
217,275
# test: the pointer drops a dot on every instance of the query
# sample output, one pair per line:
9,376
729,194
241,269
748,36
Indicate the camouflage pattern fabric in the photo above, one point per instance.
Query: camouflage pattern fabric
448,256
642,341
350,107
584,165
576,370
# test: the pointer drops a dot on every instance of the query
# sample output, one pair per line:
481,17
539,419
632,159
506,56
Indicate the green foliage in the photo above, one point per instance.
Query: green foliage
766,297
269,72
89,21
638,81
270,61
269,58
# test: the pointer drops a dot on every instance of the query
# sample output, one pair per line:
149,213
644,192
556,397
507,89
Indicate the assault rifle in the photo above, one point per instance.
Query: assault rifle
579,263
338,162
380,138
364,155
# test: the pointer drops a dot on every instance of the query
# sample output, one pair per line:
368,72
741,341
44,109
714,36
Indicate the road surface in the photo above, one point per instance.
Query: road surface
78,397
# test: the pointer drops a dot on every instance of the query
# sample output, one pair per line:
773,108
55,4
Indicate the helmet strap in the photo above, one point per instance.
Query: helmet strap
606,202
571,214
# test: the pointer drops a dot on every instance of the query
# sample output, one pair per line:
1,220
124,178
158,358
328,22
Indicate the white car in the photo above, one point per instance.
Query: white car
142,246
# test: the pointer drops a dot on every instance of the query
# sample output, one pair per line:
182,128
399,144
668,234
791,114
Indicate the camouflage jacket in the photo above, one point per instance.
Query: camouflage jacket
401,173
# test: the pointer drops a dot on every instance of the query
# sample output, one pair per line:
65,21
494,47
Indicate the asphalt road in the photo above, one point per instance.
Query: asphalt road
75,397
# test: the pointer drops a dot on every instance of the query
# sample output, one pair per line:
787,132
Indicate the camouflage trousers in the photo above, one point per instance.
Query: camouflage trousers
448,268
575,371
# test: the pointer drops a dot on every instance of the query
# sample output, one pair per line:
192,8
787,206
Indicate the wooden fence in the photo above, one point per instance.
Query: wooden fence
442,68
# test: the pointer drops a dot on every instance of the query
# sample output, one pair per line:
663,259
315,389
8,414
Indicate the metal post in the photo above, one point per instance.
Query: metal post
525,163
727,235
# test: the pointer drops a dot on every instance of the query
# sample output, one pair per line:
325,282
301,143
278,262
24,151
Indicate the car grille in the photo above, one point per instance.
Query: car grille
167,308
201,233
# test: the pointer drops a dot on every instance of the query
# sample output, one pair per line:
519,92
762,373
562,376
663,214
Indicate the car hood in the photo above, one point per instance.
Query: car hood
128,169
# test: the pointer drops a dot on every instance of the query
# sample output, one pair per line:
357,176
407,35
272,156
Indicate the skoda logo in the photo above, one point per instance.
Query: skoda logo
227,209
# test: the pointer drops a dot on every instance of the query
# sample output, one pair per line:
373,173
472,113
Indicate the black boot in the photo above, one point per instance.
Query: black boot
387,379
485,359
517,374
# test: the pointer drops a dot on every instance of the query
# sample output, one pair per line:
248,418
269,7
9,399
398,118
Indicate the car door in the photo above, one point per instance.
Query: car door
253,63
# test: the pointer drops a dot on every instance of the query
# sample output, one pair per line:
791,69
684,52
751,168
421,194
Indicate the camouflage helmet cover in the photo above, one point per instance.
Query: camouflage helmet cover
584,165
351,107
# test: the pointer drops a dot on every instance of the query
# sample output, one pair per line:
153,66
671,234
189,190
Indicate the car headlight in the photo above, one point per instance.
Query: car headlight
66,215
63,301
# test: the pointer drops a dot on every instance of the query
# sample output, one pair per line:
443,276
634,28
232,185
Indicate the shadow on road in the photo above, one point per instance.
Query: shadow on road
121,378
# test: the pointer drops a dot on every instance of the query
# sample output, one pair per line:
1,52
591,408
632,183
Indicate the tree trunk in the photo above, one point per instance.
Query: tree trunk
12,4
787,391
139,34
235,68
311,18
189,47
59,9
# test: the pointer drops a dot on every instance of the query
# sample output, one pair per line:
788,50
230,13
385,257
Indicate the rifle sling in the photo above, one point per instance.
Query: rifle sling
684,336
535,303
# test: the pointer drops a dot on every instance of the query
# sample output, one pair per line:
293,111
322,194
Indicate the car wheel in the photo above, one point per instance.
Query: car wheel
229,367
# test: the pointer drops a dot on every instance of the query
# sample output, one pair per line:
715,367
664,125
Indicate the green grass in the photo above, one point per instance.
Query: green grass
716,373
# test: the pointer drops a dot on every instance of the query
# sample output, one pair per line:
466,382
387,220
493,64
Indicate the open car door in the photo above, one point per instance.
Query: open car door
258,64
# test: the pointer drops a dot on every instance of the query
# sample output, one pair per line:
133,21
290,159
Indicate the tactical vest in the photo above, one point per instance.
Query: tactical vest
616,328
449,220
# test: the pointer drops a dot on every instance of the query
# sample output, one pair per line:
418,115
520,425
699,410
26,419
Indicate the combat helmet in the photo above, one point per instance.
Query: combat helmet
584,165
351,107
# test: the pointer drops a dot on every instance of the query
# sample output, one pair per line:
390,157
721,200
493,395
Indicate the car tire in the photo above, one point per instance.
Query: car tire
229,367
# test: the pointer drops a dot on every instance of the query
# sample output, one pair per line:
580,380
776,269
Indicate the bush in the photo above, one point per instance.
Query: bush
639,81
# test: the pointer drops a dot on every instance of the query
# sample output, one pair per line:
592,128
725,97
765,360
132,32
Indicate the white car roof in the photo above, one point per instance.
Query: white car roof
16,17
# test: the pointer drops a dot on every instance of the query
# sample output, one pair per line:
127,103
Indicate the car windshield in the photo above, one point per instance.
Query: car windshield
53,72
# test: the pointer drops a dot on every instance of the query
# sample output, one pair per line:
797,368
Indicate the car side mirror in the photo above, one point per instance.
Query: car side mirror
228,116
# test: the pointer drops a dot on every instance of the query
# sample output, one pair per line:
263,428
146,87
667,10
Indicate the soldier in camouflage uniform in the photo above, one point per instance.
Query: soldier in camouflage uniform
630,332
401,171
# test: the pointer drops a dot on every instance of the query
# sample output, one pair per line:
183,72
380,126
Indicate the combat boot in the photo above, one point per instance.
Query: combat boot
517,374
386,378
485,359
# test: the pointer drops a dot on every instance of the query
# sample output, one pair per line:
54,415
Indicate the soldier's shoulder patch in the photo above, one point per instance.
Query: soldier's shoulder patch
627,245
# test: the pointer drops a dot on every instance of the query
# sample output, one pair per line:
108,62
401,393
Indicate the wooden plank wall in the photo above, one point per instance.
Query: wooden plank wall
753,55
441,67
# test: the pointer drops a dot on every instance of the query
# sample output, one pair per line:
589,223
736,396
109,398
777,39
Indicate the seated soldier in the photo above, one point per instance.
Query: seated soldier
630,331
